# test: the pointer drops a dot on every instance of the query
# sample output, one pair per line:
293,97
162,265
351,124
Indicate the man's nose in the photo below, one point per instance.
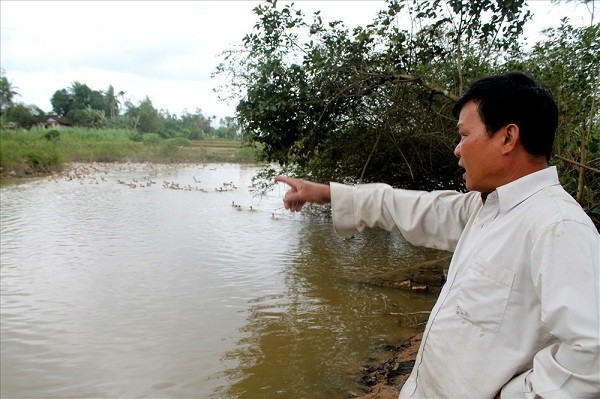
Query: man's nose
457,150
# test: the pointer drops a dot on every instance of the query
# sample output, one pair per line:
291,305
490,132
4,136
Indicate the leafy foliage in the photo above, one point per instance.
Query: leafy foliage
7,92
14,114
21,115
371,104
96,109
568,61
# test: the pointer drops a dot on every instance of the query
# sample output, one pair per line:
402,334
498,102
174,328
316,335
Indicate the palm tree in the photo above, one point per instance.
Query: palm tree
7,92
112,101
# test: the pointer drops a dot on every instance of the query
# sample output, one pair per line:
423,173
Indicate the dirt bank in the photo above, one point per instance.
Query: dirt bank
384,375
426,277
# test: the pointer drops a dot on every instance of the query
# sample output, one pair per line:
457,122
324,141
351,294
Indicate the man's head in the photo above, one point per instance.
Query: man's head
516,98
507,125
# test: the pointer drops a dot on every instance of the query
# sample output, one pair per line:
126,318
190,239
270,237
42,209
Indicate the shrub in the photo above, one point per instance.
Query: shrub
43,161
151,138
52,135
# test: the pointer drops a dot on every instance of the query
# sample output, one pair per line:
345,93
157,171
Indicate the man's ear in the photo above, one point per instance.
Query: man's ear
510,137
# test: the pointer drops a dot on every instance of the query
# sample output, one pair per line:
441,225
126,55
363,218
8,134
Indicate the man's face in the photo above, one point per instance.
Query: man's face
478,153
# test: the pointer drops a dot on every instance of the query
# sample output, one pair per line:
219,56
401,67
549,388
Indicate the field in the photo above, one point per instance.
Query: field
33,152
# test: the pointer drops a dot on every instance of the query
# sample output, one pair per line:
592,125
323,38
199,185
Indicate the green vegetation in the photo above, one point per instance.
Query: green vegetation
81,106
332,104
31,152
374,103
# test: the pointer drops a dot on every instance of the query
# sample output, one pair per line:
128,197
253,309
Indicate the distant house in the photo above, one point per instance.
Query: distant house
54,122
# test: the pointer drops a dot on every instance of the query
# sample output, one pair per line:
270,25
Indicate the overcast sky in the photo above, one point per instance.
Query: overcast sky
165,50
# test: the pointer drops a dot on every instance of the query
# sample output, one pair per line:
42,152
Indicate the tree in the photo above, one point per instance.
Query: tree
7,92
61,102
371,104
112,101
84,97
84,106
22,116
87,117
196,125
229,128
147,117
568,62
172,125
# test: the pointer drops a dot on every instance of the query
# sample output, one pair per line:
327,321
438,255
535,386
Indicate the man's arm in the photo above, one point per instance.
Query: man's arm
434,219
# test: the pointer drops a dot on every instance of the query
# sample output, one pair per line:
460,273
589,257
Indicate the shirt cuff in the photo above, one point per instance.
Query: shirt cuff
515,387
342,209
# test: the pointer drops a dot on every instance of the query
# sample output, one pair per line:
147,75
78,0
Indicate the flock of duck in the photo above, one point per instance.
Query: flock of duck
96,173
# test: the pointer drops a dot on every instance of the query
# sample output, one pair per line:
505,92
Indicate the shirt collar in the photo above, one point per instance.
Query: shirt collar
515,192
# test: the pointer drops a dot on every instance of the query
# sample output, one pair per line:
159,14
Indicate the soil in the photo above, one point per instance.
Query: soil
384,375
426,277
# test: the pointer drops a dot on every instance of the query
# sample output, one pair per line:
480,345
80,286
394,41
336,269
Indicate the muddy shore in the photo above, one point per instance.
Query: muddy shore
383,375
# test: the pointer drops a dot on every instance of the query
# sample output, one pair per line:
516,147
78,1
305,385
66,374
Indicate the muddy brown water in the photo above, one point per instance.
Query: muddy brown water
167,290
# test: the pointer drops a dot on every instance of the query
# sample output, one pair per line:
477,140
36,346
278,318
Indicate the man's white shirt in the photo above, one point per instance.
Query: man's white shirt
520,309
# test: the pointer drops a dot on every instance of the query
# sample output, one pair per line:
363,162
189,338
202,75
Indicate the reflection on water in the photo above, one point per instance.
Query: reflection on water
310,341
108,290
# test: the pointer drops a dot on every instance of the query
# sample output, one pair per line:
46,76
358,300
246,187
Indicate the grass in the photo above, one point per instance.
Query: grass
34,152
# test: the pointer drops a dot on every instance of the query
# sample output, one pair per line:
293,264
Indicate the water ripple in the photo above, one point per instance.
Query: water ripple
112,291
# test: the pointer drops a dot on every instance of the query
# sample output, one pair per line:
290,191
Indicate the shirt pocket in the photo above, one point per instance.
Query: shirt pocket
484,294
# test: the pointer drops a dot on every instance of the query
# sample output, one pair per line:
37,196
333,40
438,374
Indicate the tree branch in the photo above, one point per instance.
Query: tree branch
577,163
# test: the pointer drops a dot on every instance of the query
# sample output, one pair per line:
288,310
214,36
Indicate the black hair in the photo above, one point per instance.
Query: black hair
514,97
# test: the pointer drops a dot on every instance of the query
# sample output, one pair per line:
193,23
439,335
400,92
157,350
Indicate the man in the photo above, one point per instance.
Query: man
518,316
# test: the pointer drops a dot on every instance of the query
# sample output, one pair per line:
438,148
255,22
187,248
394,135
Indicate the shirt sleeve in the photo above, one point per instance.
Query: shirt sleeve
566,279
432,219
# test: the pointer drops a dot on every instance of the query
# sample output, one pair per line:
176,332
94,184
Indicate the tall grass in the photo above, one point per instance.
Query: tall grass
106,145
24,153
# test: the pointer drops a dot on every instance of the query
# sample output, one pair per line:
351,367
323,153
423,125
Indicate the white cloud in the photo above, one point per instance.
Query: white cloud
165,50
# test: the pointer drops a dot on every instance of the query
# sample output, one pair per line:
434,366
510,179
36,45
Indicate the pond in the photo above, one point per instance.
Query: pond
141,280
